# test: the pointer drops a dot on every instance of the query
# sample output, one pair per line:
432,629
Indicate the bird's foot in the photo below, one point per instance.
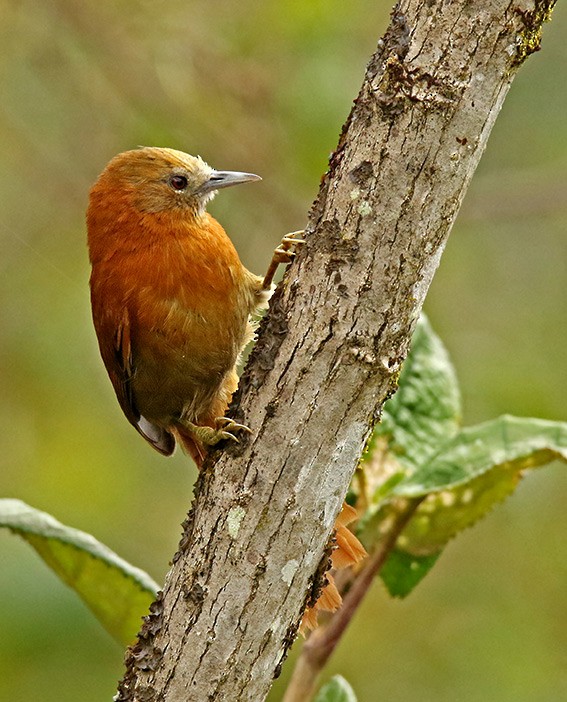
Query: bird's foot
223,430
288,247
284,253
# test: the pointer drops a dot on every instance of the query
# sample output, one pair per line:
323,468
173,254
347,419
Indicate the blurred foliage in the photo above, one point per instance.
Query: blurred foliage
265,87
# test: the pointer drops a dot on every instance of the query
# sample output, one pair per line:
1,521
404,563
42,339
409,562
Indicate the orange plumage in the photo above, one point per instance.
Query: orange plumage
171,300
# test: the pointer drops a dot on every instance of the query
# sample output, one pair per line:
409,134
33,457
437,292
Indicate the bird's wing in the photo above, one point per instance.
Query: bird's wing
117,358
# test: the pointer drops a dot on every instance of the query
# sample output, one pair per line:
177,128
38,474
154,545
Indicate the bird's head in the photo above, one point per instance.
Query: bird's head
157,179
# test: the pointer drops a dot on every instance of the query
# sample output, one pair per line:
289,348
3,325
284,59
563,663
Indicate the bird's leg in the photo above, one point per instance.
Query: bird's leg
285,253
209,436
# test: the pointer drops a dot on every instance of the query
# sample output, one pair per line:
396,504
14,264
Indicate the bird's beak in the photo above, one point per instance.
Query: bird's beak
224,179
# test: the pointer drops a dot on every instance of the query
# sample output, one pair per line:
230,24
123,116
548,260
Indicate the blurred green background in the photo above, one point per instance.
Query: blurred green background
265,87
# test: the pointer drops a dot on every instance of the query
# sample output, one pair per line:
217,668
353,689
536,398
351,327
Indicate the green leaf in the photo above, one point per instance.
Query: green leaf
478,468
426,409
336,690
402,571
117,593
517,442
418,453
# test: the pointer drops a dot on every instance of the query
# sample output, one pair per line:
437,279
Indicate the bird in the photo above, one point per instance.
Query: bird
172,304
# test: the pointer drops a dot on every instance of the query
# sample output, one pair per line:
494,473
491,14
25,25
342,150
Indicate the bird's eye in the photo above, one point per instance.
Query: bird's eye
178,182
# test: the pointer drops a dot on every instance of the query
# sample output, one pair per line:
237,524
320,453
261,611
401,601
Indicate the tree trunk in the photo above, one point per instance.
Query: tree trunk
330,350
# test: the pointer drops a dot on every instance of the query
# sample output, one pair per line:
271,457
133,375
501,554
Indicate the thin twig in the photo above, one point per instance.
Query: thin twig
321,644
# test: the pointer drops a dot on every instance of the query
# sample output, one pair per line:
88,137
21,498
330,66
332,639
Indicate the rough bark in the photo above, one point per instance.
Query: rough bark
330,350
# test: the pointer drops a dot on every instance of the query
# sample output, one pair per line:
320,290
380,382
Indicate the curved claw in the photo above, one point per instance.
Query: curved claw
228,436
224,423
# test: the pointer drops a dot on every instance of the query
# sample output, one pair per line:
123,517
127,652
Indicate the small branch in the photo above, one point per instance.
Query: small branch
320,646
